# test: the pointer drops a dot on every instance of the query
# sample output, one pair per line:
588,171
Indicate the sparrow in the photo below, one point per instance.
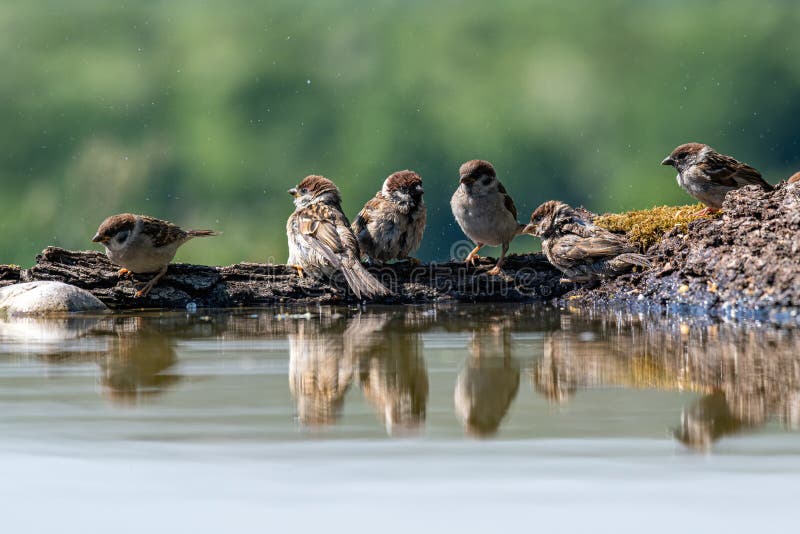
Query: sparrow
794,178
484,210
708,175
321,241
142,244
391,224
579,249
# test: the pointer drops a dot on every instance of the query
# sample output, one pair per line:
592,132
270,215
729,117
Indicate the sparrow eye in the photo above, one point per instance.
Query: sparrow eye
122,236
304,190
486,180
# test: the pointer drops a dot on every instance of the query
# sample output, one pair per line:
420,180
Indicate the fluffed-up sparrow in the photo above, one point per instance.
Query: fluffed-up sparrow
581,250
391,224
321,241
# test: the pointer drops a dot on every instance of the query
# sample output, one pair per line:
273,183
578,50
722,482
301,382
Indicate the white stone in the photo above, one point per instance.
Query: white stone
35,298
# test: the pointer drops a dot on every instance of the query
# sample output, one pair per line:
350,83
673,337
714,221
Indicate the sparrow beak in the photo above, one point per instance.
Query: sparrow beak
668,161
529,229
293,191
467,179
99,239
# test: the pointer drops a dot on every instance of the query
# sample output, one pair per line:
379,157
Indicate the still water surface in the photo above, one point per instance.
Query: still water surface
448,417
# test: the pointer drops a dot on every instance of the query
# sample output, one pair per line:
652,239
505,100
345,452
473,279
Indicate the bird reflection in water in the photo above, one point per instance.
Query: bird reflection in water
745,376
320,370
488,382
392,373
137,366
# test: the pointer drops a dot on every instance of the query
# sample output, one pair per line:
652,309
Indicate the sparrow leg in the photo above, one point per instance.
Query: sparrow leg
412,261
705,211
151,284
123,273
494,271
473,255
300,272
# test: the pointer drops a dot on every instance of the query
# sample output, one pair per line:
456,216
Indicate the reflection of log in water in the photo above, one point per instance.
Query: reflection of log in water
488,382
748,375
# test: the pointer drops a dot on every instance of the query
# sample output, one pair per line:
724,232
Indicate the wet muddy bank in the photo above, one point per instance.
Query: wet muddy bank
744,264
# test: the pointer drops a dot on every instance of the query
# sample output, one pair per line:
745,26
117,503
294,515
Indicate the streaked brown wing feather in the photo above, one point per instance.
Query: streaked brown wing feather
162,232
365,215
507,200
576,249
726,171
327,231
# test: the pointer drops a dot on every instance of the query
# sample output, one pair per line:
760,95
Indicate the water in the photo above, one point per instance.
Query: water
449,417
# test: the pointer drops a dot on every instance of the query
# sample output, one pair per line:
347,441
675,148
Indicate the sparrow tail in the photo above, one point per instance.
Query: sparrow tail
362,282
202,233
633,259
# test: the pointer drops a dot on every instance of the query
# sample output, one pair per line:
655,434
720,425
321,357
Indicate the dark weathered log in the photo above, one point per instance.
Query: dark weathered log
527,278
9,274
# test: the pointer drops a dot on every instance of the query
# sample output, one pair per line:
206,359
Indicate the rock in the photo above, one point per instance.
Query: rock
36,298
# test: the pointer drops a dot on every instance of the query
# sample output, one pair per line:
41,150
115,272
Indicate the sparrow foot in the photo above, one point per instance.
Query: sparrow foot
473,259
705,211
413,261
124,273
300,272
145,290
494,271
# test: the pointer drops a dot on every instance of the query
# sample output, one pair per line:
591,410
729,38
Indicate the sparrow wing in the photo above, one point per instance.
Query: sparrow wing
507,200
366,214
162,232
575,249
326,231
726,171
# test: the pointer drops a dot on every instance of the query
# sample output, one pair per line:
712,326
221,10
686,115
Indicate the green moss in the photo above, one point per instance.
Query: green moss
646,227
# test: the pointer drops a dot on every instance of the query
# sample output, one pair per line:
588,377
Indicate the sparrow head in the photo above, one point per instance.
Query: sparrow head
686,155
403,187
114,232
546,218
477,174
314,189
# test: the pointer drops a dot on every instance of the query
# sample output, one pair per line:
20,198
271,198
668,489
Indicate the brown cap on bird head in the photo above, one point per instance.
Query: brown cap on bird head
114,225
474,169
314,185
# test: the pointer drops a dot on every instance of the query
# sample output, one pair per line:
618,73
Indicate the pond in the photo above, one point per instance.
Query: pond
467,417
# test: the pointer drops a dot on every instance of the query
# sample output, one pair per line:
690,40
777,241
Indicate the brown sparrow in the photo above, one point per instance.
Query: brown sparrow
582,251
142,244
483,210
708,175
321,241
391,224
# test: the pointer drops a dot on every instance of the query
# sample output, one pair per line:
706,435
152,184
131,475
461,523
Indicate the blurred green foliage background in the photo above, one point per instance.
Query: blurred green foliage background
204,113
